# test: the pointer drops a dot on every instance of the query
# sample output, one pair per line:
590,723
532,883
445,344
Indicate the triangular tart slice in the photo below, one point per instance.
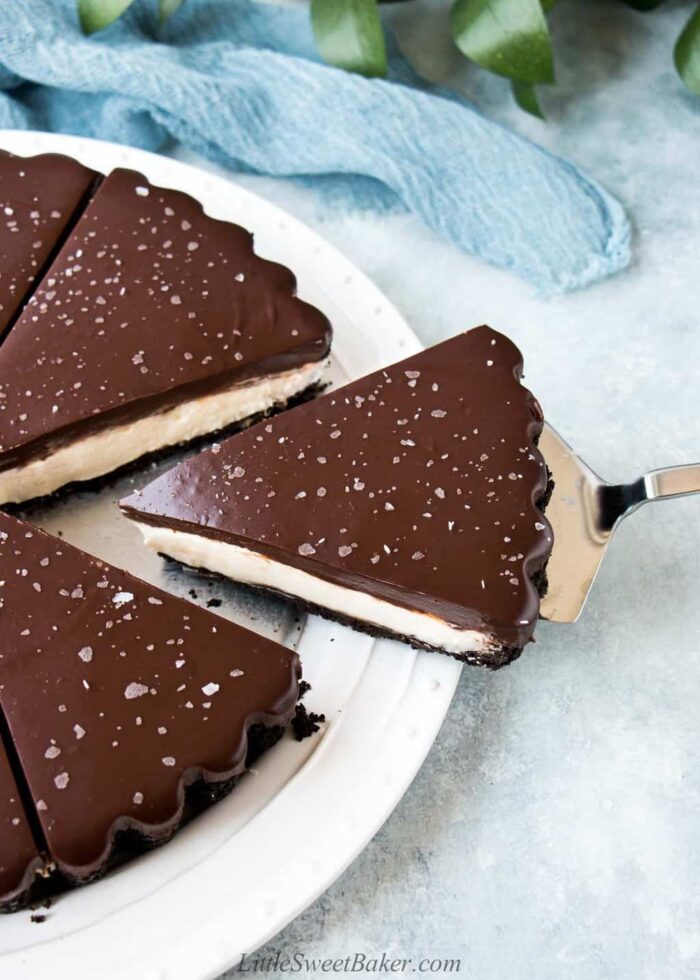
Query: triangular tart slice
121,701
408,503
40,197
155,325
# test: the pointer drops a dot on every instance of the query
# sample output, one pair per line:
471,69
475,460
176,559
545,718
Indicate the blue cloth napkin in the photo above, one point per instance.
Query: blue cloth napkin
241,83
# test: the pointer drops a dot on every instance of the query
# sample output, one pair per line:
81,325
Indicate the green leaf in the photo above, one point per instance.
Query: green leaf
97,14
687,53
349,35
509,37
526,97
166,8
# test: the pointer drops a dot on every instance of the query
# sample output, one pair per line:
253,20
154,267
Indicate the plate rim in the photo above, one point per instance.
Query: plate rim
431,682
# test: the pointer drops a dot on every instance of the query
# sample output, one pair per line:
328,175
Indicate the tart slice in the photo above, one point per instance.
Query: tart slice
123,704
155,324
20,861
39,199
407,504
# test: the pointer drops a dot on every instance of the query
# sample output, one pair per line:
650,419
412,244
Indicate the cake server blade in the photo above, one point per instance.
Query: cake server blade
584,512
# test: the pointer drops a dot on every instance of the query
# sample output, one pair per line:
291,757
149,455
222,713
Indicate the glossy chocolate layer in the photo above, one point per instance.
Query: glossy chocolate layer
39,197
149,303
417,484
117,695
19,857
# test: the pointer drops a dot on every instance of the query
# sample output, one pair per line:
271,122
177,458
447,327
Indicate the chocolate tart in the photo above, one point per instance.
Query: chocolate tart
408,503
154,325
40,198
122,708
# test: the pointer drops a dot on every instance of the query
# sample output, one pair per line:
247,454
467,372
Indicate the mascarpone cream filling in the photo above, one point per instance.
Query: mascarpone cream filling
105,451
252,568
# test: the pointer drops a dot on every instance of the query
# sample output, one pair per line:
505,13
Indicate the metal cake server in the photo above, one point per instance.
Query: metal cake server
584,512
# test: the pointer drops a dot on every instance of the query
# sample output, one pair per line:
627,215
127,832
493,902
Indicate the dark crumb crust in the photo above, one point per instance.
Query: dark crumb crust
495,659
305,723
165,454
128,844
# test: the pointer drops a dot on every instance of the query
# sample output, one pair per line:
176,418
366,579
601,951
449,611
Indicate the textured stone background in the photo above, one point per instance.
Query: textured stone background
554,831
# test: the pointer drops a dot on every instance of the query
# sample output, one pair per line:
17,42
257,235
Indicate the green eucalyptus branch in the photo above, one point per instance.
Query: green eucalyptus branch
507,37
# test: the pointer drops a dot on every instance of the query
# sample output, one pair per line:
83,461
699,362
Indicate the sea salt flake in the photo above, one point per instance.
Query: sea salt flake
417,556
85,654
61,780
210,689
168,760
306,549
135,690
52,752
121,598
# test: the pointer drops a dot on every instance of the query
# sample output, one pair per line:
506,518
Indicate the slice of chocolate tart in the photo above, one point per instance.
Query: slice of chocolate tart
155,325
123,703
39,199
20,860
407,504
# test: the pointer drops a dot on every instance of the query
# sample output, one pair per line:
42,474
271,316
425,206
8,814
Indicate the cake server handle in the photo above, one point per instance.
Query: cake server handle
617,501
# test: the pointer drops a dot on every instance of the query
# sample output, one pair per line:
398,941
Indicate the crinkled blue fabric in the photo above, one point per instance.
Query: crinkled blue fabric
241,83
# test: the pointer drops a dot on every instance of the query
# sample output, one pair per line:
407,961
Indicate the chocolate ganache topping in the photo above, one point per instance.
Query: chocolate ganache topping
417,484
116,697
149,302
39,197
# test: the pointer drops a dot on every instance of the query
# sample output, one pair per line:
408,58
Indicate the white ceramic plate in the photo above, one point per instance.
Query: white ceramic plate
245,868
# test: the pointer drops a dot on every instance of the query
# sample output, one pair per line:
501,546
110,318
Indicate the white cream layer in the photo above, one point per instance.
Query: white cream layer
105,451
252,568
